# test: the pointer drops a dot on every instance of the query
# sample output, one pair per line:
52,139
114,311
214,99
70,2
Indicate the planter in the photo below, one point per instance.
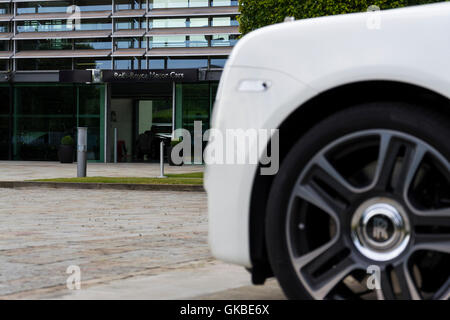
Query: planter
169,157
65,153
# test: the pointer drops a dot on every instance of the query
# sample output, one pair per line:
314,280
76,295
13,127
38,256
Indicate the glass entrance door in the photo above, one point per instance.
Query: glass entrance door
153,125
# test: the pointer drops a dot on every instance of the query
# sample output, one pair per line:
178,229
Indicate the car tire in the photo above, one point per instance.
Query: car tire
285,249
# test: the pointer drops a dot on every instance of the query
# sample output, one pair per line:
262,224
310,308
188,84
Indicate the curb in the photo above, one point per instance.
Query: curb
102,186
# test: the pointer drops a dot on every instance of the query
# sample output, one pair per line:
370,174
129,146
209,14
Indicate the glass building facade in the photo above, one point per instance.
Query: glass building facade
40,39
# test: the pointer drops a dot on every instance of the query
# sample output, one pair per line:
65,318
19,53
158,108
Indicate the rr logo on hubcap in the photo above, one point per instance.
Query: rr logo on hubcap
380,229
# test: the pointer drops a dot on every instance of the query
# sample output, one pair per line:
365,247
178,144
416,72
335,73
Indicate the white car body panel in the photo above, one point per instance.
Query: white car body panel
301,60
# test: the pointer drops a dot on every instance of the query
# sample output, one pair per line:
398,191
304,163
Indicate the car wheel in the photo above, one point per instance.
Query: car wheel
360,208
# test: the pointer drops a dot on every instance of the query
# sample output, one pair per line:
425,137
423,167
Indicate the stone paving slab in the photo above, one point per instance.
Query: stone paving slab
211,281
110,235
31,170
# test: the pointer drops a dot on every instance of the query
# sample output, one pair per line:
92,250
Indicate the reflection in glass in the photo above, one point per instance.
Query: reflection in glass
44,64
45,113
4,122
93,63
186,63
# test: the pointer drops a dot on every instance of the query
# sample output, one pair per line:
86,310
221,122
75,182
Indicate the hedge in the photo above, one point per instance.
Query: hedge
258,13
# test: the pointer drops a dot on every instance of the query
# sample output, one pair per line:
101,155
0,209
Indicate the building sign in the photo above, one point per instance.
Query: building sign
114,76
178,75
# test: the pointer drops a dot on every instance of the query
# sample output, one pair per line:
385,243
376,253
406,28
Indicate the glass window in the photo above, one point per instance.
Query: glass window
156,64
97,44
4,122
43,26
52,44
198,3
46,113
4,98
193,103
156,4
179,23
89,25
126,63
168,23
43,116
224,22
130,4
129,24
187,63
218,62
61,25
94,5
4,45
198,22
197,41
4,65
90,102
167,41
4,27
42,7
221,3
4,8
223,40
92,63
44,64
162,111
129,43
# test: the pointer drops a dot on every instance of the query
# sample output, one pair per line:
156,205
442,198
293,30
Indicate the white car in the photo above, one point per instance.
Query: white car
360,205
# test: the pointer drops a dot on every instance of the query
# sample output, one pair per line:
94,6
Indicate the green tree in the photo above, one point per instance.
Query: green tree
259,13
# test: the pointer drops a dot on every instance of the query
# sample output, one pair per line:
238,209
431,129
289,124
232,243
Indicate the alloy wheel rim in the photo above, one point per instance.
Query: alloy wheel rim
352,208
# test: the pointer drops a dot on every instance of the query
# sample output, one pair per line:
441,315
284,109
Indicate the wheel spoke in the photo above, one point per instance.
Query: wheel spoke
327,188
335,180
432,242
432,230
387,160
406,282
411,163
305,259
322,259
387,289
318,199
329,256
444,292
432,217
327,281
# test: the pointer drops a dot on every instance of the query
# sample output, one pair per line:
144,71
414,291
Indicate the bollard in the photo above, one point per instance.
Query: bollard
115,144
82,152
161,159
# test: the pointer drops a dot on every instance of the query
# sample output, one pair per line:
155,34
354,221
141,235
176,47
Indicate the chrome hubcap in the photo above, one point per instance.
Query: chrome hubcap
380,229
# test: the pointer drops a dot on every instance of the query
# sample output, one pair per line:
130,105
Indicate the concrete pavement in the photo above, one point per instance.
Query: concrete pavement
128,245
31,170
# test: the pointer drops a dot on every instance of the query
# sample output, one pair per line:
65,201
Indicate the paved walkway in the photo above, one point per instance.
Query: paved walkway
30,170
128,245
